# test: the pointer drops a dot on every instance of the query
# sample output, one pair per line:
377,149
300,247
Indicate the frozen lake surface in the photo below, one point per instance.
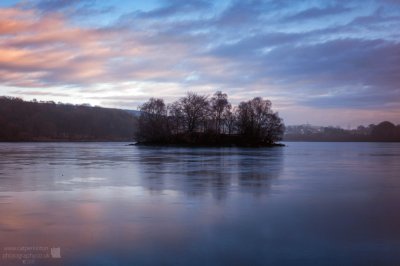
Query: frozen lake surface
113,204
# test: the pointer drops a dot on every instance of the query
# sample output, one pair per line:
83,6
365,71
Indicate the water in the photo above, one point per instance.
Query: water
112,204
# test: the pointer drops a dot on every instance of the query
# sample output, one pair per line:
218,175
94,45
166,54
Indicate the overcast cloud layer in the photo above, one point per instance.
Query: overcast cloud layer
322,62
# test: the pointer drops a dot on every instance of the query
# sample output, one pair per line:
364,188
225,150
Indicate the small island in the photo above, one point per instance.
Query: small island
198,120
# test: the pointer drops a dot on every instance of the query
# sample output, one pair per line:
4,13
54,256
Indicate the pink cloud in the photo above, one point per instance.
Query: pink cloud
47,50
68,55
49,45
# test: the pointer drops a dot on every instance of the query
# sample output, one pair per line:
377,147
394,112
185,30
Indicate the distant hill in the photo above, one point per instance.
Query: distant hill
47,121
135,113
383,132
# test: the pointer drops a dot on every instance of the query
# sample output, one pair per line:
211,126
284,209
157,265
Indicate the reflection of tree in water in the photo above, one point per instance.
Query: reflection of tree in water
153,165
257,168
207,173
199,171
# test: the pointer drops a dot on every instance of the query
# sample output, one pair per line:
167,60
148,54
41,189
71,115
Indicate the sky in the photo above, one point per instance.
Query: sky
323,62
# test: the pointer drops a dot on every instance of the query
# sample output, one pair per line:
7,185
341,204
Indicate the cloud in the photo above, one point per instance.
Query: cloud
318,12
52,5
46,44
175,7
339,63
78,9
312,54
40,93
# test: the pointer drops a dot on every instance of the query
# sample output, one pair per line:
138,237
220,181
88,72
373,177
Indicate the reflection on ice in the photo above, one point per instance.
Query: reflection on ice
217,171
191,171
111,204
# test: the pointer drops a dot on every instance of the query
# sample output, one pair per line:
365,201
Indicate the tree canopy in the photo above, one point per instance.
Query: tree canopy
200,120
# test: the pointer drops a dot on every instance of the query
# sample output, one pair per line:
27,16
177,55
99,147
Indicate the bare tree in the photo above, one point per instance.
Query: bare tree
257,122
220,107
273,129
176,118
153,123
195,109
230,121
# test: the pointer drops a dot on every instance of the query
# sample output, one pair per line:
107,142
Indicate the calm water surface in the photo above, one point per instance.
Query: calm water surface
113,204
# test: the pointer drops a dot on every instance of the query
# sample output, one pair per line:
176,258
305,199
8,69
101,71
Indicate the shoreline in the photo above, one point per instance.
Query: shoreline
191,145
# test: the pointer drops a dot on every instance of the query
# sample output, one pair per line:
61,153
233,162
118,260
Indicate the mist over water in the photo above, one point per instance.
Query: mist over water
113,204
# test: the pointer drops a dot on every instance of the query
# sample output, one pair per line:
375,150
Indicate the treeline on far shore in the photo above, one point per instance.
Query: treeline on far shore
192,120
200,120
47,121
383,132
